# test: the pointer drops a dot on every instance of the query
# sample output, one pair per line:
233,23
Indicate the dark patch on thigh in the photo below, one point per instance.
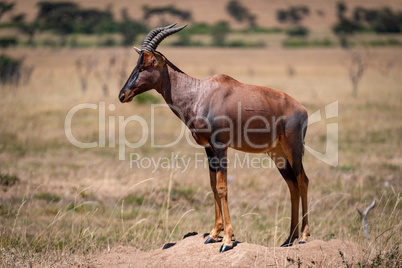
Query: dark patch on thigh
288,174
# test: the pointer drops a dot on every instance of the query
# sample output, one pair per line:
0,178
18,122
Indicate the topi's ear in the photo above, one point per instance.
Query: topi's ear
137,49
159,58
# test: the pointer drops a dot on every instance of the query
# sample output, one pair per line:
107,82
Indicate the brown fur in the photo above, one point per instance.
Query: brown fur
222,112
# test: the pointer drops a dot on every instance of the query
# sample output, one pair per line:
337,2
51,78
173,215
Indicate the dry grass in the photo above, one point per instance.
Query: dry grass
69,202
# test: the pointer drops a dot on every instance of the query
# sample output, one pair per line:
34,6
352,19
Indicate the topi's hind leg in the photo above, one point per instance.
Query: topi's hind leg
292,146
284,167
303,185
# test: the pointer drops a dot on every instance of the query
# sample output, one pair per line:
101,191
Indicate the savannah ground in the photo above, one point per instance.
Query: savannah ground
67,204
61,205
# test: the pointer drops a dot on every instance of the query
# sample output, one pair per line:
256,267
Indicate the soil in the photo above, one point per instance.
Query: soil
192,252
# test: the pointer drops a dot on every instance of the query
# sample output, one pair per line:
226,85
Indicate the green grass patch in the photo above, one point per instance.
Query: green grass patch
245,44
8,179
301,42
393,167
330,236
81,207
265,30
134,200
382,43
377,137
146,98
347,168
87,196
186,193
199,28
185,40
48,197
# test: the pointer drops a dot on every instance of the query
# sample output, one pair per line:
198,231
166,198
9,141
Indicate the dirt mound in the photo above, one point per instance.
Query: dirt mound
192,252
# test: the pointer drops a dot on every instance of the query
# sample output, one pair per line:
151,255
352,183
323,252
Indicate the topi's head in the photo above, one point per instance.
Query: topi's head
147,72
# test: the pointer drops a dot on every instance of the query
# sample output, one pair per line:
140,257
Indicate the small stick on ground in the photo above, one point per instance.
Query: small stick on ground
363,216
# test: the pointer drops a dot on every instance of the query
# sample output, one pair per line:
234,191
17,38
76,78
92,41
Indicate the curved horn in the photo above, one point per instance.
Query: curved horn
153,44
153,33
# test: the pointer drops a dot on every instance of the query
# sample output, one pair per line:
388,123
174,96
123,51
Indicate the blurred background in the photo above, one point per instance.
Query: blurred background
58,201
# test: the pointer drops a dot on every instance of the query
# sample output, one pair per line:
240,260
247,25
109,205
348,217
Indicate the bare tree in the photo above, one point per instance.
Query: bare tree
357,64
290,70
84,67
105,73
26,73
121,69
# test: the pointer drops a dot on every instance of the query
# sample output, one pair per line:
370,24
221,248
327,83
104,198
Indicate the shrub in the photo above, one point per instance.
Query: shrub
184,41
169,10
109,42
68,17
293,15
238,43
241,13
346,26
130,29
297,31
241,43
10,69
198,28
378,20
8,42
219,32
50,43
387,22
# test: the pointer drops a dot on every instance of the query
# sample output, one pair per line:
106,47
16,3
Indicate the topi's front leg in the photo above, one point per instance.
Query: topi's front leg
218,226
221,186
227,243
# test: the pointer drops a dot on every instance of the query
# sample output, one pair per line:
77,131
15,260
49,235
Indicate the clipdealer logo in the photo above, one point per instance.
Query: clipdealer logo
107,136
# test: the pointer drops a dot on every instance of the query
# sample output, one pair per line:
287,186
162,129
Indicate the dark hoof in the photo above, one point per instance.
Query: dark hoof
210,240
302,242
225,248
168,245
190,234
286,244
